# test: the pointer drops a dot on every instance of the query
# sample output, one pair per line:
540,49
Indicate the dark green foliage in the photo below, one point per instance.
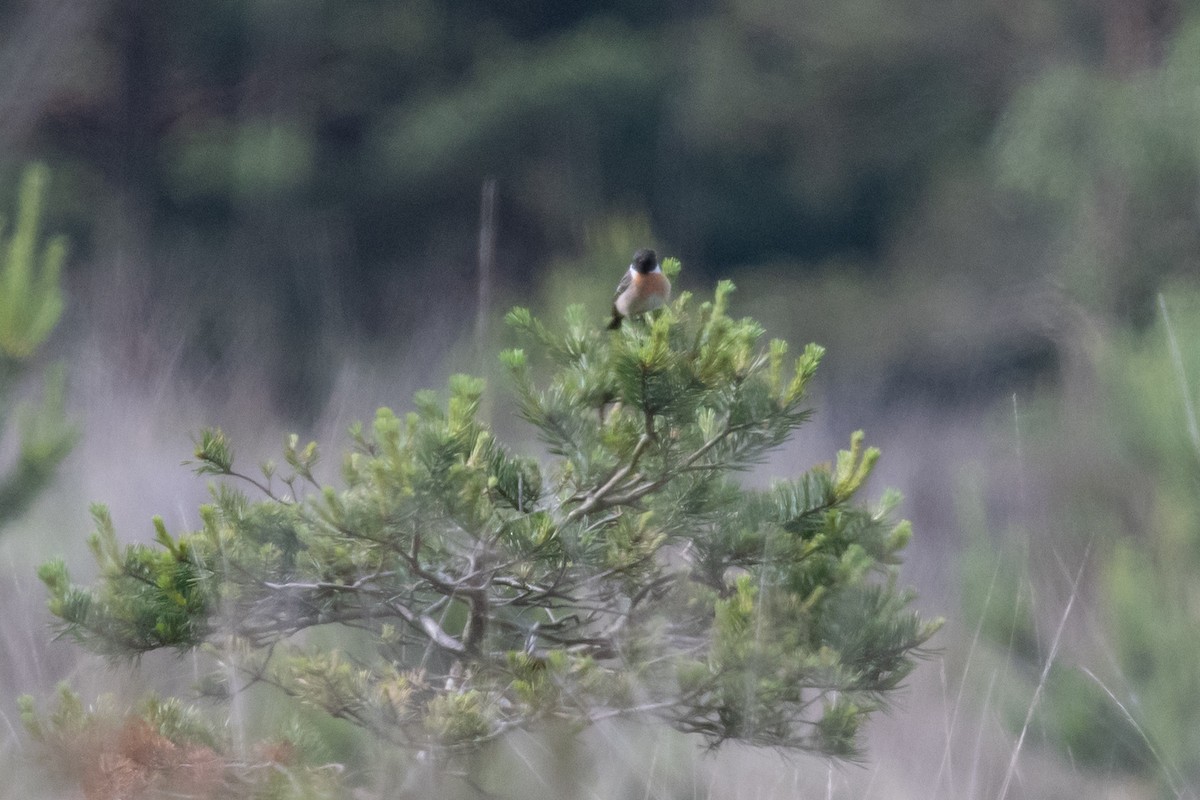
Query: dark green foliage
630,574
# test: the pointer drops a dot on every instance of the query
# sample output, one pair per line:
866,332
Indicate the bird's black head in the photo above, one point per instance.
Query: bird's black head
645,260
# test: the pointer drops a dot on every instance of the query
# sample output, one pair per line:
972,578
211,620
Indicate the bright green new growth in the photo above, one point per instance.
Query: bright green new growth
628,573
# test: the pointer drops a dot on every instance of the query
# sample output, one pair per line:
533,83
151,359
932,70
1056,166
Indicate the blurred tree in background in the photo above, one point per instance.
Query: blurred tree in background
320,161
631,576
1108,153
31,303
1126,477
1138,499
1105,148
1150,578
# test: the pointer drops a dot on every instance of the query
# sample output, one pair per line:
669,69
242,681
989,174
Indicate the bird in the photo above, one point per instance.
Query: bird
643,288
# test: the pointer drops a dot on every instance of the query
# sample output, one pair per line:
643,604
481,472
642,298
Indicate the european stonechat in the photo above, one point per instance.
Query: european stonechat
644,288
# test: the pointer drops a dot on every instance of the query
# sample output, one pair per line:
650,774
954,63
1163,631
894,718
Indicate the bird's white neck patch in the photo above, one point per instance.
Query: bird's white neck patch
633,270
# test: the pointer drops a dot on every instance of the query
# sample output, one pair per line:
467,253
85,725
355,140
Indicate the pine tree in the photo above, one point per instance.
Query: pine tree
629,572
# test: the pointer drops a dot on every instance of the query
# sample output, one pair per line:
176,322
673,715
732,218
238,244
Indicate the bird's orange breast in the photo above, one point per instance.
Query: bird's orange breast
647,291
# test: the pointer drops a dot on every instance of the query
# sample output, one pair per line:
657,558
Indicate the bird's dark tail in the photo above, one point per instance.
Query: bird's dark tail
616,320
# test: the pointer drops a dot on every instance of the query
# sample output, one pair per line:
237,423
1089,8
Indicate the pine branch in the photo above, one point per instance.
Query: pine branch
496,604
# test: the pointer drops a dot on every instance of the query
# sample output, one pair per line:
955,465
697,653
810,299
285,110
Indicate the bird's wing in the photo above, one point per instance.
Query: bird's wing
626,280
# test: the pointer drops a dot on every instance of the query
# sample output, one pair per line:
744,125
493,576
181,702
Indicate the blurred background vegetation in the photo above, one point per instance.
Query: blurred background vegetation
987,211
